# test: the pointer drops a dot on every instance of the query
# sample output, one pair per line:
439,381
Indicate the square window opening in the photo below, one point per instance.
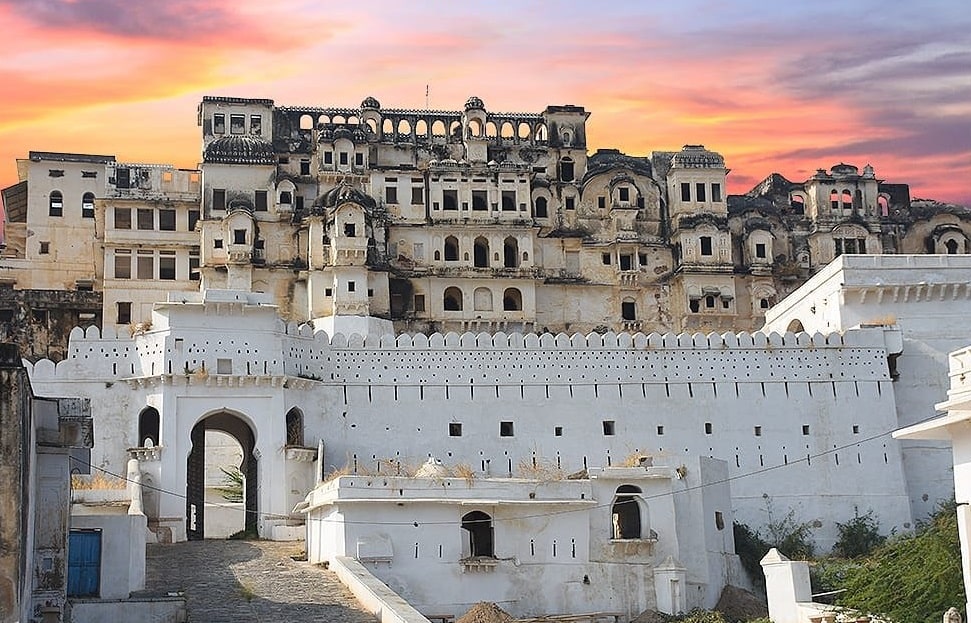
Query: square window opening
608,427
454,429
506,429
557,431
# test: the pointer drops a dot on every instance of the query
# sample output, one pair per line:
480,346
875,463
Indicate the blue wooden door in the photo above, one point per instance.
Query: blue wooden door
84,563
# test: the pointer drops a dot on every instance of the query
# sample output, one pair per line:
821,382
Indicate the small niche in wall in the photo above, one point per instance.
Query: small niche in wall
608,427
455,429
557,431
506,429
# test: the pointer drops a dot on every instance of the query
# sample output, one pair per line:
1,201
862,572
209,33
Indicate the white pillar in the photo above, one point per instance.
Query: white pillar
786,585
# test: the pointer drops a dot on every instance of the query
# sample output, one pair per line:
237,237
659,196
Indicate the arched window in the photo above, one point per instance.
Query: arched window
306,122
148,427
951,246
480,253
452,299
404,128
451,249
482,299
507,131
566,170
834,200
294,427
56,203
541,134
847,200
455,129
884,205
625,513
795,326
510,247
438,255
541,211
478,540
491,129
438,128
87,205
387,127
421,127
524,130
798,204
512,300
372,125
475,128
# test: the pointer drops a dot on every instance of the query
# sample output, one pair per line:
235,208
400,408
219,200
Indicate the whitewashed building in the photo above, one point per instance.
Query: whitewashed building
617,539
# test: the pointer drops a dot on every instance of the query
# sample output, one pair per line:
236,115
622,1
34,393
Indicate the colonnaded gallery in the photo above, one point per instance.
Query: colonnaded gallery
363,289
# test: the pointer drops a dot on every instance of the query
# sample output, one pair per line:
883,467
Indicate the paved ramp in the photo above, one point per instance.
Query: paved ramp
250,581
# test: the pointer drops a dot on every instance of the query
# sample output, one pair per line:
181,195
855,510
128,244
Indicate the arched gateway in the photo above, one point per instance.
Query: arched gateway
233,425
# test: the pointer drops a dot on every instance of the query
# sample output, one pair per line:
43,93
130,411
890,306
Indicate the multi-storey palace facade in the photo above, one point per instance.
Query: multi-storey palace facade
434,220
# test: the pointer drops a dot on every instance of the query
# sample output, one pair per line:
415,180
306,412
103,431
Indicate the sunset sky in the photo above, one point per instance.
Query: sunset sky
783,87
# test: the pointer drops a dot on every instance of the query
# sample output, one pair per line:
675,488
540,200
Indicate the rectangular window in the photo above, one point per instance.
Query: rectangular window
706,245
557,431
145,265
239,236
805,429
391,194
628,310
217,243
218,199
605,258
716,192
328,292
193,219
261,201
685,191
455,429
305,164
224,366
758,431
660,430
219,123
146,218
55,172
508,200
194,266
122,218
328,159
237,124
571,203
506,429
760,250
45,248
480,200
299,203
839,246
122,263
602,203
700,191
57,204
343,158
623,193
419,302
642,259
123,309
707,428
255,124
626,262
166,265
450,200
122,178
608,427
359,160
856,429
417,195
351,286
166,220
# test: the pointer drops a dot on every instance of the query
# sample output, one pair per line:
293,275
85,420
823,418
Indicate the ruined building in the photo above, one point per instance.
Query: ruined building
430,220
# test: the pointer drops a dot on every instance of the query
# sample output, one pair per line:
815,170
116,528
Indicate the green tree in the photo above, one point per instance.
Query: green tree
913,578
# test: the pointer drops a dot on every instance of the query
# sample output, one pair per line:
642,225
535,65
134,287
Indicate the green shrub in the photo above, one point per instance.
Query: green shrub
912,578
858,536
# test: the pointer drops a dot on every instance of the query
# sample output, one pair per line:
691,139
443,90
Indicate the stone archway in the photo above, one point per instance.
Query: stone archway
195,514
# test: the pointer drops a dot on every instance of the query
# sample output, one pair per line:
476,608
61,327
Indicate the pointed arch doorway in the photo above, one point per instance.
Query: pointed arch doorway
195,507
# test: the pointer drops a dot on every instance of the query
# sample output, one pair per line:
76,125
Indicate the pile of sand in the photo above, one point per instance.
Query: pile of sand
737,604
485,612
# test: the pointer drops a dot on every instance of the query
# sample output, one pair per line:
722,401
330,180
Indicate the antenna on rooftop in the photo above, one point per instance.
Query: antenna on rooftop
426,97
